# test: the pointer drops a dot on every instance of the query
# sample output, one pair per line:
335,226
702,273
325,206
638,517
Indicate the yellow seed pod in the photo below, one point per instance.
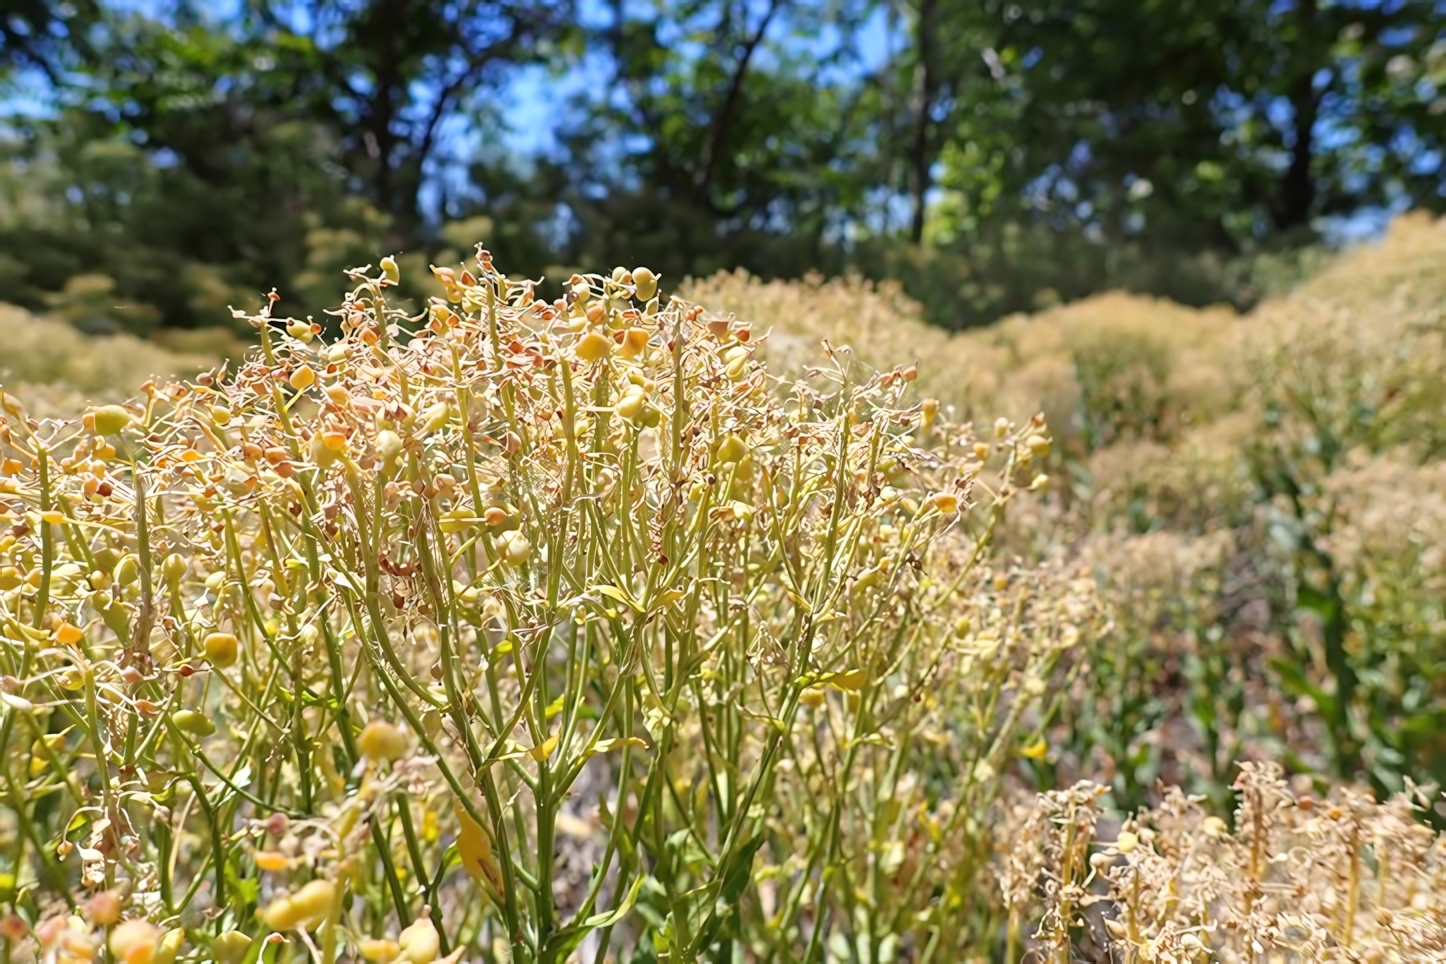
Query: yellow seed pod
378,949
222,649
390,270
299,330
134,941
929,407
515,548
634,341
632,405
281,914
389,446
381,740
419,943
945,502
111,420
322,454
435,417
271,860
646,283
313,901
594,347
732,449
10,578
1038,446
303,378
169,947
230,947
813,696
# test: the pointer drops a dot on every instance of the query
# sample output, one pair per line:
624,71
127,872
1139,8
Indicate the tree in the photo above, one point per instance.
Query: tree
1216,122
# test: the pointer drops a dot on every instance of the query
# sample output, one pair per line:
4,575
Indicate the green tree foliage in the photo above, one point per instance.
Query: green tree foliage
1212,122
156,167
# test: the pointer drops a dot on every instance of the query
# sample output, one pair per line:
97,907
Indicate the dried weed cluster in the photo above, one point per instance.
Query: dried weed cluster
1300,878
60,370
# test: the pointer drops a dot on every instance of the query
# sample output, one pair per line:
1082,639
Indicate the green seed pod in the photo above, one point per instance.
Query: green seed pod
389,446
222,649
111,420
174,567
196,724
128,570
105,559
732,449
230,947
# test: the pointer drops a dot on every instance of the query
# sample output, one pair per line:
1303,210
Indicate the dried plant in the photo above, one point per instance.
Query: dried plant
1299,879
518,630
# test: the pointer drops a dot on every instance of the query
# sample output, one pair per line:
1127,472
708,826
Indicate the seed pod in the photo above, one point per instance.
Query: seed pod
634,341
134,941
222,649
321,453
419,943
196,724
169,947
10,578
313,901
174,567
111,420
381,740
128,570
474,847
515,548
303,378
379,949
632,405
594,347
731,449
435,417
389,446
230,947
390,270
646,283
1038,446
945,502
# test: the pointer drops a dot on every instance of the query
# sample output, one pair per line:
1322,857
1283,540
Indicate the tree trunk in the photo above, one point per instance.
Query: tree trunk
926,90
1297,188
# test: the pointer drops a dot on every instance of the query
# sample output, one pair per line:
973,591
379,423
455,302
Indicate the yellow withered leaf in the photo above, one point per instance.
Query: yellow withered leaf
544,749
475,849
